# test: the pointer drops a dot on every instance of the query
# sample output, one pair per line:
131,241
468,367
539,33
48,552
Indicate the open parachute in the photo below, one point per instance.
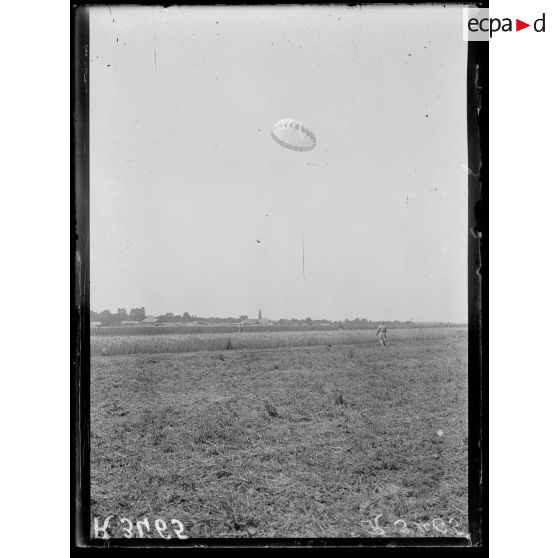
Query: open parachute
293,134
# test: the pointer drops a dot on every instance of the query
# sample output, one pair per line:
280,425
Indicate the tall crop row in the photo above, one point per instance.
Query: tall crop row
178,343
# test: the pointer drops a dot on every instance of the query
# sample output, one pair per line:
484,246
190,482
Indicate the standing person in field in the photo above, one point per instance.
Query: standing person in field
382,333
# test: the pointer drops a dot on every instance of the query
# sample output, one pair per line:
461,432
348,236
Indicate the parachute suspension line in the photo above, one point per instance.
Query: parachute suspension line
303,274
297,136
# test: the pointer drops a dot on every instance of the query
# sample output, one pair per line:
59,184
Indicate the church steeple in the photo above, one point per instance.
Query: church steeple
260,314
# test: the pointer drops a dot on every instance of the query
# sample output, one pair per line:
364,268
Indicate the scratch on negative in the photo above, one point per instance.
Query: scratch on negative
154,43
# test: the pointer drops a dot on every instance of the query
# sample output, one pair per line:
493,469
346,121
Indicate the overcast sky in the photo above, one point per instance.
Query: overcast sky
185,178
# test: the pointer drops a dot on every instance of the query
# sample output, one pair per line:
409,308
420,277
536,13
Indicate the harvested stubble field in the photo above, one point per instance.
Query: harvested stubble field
287,441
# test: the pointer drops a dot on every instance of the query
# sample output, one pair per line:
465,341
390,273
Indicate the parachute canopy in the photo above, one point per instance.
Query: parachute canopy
293,134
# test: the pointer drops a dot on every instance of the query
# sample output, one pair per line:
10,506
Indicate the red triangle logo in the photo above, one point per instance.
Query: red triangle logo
519,25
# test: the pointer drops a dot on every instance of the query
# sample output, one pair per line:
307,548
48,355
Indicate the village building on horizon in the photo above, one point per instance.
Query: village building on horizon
259,321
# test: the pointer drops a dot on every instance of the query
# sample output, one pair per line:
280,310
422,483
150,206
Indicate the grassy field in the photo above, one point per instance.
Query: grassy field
332,439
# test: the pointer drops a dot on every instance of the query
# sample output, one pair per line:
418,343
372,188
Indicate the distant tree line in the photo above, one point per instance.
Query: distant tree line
106,317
